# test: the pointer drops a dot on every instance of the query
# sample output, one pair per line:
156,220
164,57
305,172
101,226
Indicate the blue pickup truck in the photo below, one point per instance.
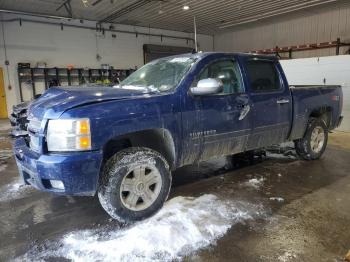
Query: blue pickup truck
123,142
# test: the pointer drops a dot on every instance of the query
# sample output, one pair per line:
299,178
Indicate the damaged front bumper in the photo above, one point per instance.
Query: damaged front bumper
77,172
19,125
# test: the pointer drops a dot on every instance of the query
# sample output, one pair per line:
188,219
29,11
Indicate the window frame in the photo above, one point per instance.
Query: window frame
240,75
272,91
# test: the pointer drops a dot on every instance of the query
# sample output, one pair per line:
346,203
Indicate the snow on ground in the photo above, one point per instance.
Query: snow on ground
14,190
287,256
183,226
255,183
278,199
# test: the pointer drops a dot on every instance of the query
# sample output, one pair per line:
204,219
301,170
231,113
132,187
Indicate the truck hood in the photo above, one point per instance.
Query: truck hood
57,100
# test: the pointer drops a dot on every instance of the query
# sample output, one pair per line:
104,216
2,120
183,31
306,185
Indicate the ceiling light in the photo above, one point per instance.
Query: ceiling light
85,3
186,7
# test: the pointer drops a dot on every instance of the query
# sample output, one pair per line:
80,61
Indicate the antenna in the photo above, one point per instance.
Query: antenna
195,34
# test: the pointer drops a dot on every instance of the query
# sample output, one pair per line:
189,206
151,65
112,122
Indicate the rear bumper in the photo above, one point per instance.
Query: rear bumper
340,120
78,172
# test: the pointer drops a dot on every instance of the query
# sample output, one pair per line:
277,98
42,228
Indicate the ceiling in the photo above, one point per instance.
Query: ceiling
211,15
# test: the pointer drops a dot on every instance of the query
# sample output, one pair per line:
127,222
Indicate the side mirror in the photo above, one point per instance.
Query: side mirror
209,86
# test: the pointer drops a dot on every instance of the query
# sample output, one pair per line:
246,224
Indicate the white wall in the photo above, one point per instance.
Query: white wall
308,27
312,71
38,42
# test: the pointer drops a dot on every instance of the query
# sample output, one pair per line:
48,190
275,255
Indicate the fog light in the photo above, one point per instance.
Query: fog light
57,184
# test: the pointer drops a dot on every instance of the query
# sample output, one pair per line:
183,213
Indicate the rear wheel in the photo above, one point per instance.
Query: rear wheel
314,142
135,184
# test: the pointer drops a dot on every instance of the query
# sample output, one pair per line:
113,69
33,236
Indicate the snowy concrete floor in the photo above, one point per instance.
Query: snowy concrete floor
277,209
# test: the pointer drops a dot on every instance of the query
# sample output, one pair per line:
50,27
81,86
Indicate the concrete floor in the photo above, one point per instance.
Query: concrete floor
299,210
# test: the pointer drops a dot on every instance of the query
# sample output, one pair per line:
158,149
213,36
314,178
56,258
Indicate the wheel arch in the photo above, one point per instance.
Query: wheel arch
324,113
158,139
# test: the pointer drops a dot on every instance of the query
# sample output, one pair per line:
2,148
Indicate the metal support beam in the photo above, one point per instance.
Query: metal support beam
7,11
98,27
127,9
66,4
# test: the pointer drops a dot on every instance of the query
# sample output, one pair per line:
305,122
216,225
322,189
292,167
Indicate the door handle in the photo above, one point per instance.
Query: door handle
283,101
244,112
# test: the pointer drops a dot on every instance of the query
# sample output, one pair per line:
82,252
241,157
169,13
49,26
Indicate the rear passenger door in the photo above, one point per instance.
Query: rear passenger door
272,112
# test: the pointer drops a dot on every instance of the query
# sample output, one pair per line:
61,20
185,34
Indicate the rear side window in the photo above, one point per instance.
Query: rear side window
263,76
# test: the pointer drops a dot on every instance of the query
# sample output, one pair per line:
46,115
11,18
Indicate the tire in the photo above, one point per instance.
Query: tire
125,184
312,146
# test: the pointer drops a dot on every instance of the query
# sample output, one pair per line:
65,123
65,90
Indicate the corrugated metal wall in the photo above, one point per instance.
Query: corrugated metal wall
318,26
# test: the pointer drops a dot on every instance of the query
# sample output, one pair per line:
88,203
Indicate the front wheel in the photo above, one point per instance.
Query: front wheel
314,142
134,184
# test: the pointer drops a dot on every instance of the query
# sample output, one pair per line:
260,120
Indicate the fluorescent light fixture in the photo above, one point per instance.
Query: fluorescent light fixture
186,7
85,3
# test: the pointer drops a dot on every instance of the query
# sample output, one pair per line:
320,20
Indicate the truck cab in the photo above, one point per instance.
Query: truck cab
254,104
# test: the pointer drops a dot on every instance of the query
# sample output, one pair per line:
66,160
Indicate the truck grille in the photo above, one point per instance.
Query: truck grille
33,132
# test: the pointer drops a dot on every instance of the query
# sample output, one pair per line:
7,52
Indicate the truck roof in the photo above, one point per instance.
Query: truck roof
206,54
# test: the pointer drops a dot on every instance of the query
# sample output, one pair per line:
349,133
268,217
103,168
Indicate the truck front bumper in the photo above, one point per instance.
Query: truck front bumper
75,173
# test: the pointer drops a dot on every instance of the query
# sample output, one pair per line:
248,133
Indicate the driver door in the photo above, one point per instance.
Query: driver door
217,124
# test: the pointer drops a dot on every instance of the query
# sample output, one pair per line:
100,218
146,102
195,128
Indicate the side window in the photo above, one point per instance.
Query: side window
263,76
225,70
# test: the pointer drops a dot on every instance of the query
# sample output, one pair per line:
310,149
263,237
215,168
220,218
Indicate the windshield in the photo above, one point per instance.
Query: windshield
159,75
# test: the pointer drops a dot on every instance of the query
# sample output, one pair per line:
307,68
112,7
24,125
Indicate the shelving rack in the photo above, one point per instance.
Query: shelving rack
337,44
74,76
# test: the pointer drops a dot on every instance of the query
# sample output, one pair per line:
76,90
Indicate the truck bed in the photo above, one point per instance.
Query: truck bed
314,86
308,97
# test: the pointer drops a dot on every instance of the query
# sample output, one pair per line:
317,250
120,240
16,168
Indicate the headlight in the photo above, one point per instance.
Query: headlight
69,135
